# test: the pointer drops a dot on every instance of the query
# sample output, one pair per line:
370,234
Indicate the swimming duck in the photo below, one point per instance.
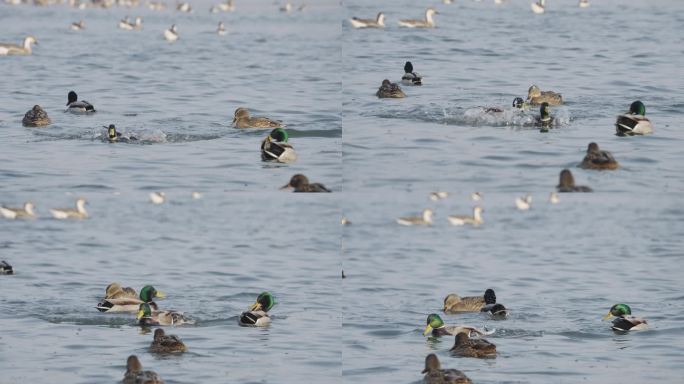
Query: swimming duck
439,195
171,34
77,26
114,136
424,219
116,291
553,198
435,327
598,159
624,321
124,302
146,317
475,219
495,311
434,374
125,23
26,212
13,49
410,77
227,6
36,117
634,122
544,120
184,7
75,106
567,183
275,147
300,183
157,197
163,343
467,347
287,8
456,304
221,30
524,203
257,316
156,5
68,213
389,90
379,22
476,196
5,268
135,374
584,3
519,103
241,119
427,23
535,96
538,7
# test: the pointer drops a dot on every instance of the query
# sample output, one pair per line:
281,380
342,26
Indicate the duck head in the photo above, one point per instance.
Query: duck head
159,334
240,113
386,83
264,302
490,296
111,132
566,179
544,111
28,41
133,364
592,148
296,182
431,363
433,322
279,135
518,102
380,19
430,12
112,289
618,310
534,91
427,215
149,293
408,67
637,108
71,97
144,310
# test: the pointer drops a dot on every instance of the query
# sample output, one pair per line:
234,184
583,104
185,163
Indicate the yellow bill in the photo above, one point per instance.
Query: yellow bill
140,315
427,330
160,295
608,316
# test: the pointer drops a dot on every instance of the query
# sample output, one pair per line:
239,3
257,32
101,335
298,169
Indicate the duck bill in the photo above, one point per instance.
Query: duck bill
427,330
160,295
140,315
286,186
608,316
255,307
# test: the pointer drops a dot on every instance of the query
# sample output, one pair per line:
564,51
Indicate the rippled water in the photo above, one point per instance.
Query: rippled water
558,268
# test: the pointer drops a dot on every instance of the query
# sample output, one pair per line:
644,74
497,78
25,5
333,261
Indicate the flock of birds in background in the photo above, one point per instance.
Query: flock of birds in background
275,147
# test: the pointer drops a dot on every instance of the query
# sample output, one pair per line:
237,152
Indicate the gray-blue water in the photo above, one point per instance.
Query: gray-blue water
558,268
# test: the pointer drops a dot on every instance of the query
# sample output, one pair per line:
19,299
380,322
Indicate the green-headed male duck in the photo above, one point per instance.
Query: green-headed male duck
467,347
257,316
241,119
163,343
114,136
624,321
535,96
456,304
300,183
122,301
36,117
135,374
389,90
598,159
75,106
276,148
410,77
634,122
434,374
567,183
25,212
436,327
544,120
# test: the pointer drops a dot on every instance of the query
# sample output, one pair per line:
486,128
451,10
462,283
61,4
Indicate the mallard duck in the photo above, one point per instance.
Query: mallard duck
598,159
146,317
475,219
257,316
275,147
124,302
379,22
538,7
624,321
241,119
467,347
567,183
524,203
75,106
410,77
519,103
114,136
68,213
163,343
13,49
135,374
26,212
544,120
495,311
424,219
300,183
389,90
77,26
116,291
634,122
36,117
221,30
535,96
5,268
584,3
434,374
435,327
456,304
428,22
171,34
